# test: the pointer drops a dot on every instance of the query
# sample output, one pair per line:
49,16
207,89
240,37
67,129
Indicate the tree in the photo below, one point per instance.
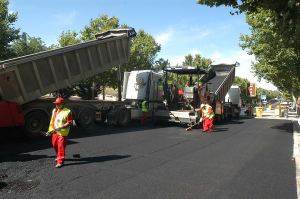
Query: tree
286,13
244,84
274,39
142,54
68,37
160,64
277,61
7,31
189,60
201,62
100,24
196,61
28,45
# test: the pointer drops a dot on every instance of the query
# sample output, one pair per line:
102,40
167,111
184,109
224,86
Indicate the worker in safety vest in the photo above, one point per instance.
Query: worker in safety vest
59,127
145,111
207,118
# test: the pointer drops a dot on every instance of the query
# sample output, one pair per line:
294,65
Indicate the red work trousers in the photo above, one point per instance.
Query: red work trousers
59,144
144,117
208,124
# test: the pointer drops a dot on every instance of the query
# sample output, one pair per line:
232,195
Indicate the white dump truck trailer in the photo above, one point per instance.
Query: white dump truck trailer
24,80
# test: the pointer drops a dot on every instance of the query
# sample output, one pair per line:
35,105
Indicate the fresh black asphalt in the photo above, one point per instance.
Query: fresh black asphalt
245,158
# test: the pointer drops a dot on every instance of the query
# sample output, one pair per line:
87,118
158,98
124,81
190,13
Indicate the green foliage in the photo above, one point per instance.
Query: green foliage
160,64
100,24
189,60
142,55
196,61
28,45
67,38
7,31
244,83
277,61
286,13
274,39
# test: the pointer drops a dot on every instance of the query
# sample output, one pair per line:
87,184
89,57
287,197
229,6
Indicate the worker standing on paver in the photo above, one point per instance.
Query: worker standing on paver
145,111
59,127
207,118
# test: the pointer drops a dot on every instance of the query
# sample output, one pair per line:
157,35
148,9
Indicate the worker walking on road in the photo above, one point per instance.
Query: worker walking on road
207,118
145,111
59,127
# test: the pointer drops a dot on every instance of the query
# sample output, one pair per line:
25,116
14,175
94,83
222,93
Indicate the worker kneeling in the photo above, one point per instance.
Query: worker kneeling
207,118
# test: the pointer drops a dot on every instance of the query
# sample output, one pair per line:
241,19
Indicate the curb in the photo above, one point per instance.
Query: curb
296,155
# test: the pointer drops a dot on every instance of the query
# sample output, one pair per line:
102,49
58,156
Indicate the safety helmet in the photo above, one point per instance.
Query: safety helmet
59,100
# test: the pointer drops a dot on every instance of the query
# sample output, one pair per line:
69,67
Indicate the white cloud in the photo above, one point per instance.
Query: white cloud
164,37
65,19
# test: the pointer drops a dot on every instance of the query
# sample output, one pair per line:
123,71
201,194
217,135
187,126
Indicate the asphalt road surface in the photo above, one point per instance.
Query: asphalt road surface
246,158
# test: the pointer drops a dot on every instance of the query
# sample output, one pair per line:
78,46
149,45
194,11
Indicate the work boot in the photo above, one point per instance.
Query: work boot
58,165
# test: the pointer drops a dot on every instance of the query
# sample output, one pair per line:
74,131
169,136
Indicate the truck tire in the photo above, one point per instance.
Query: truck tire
86,117
36,122
124,117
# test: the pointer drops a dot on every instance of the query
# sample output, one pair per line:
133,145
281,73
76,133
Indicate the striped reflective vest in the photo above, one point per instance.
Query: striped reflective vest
59,120
208,112
144,106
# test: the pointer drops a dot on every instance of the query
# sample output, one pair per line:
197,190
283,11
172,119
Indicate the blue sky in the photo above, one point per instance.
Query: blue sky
181,26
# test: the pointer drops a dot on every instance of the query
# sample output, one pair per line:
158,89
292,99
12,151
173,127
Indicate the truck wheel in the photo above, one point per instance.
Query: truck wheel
35,123
86,117
124,117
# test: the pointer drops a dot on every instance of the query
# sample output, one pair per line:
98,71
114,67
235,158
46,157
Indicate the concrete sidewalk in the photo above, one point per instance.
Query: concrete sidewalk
296,154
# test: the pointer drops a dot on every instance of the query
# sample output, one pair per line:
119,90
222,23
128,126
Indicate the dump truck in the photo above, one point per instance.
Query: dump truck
25,80
219,86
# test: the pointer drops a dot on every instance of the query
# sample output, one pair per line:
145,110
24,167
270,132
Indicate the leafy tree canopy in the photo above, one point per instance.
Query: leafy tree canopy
142,53
274,39
190,60
7,31
276,60
28,45
286,13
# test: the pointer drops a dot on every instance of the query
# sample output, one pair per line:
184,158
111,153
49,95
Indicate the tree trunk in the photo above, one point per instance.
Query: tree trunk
103,93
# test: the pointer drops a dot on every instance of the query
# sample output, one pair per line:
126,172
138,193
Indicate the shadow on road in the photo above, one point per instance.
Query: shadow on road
88,160
17,151
23,157
285,127
102,129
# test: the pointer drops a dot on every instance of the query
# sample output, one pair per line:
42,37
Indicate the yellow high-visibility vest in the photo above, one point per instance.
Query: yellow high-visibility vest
144,106
208,112
60,120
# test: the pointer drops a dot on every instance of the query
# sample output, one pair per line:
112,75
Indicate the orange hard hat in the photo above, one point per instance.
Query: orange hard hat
59,100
